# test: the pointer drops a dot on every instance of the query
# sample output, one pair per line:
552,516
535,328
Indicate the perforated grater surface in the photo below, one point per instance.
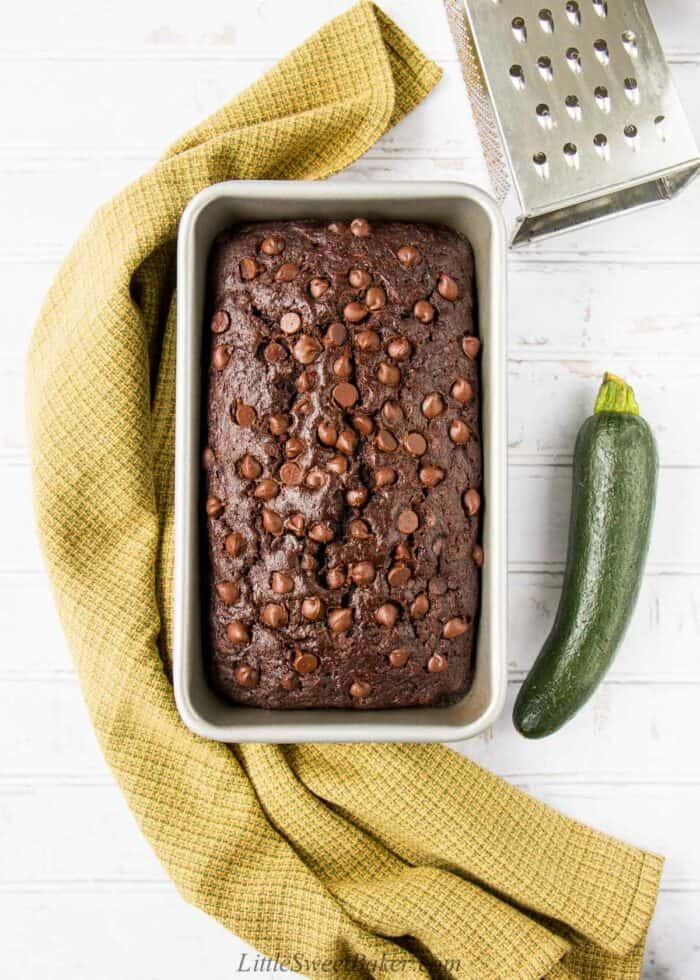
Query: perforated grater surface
590,123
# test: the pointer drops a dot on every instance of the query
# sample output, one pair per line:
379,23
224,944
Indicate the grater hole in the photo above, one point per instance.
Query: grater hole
602,51
631,136
519,29
544,115
541,165
545,66
517,77
546,20
632,89
573,106
600,7
571,156
661,127
602,147
573,12
602,98
573,58
629,43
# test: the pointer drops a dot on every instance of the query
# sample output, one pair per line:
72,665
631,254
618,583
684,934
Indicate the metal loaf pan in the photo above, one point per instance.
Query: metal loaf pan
474,214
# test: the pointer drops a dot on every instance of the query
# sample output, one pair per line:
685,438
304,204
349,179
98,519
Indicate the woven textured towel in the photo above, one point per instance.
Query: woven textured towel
348,861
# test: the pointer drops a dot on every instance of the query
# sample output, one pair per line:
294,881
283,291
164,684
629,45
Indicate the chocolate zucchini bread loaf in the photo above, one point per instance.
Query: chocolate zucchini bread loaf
343,465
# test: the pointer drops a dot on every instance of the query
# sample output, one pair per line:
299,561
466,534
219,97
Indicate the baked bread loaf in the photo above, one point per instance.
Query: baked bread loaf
342,465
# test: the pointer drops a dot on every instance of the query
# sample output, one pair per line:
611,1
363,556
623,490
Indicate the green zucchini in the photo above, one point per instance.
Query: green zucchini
614,490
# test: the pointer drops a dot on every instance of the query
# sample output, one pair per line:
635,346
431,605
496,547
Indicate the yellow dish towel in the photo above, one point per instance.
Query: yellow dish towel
349,861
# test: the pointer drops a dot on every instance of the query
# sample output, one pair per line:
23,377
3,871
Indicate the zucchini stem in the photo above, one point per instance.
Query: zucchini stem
615,395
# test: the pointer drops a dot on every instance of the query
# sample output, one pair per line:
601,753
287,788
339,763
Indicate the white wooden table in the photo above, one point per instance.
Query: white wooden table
91,94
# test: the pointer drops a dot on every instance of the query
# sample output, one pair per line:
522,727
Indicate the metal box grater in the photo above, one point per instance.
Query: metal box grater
589,120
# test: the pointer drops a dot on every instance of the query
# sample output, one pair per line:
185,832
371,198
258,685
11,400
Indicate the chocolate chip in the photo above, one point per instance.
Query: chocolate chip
363,424
290,323
345,394
336,227
433,405
385,441
234,544
355,312
387,615
471,347
246,676
340,620
312,608
287,272
282,583
294,447
420,606
290,474
306,382
459,432
415,444
407,521
362,573
249,268
424,311
399,348
208,457
305,663
220,321
375,298
271,521
245,415
360,227
278,424
462,391
335,577
220,357
472,502
296,523
359,278
336,335
384,477
437,663
273,245
398,657
347,441
290,682
402,552
360,690
368,341
318,287
431,476
359,530
274,352
399,575
266,490
314,479
228,592
327,433
302,406
389,374
357,496
306,349
309,563
250,467
408,256
322,532
342,367
238,633
454,627
214,507
478,556
392,412
447,287
274,615
338,465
